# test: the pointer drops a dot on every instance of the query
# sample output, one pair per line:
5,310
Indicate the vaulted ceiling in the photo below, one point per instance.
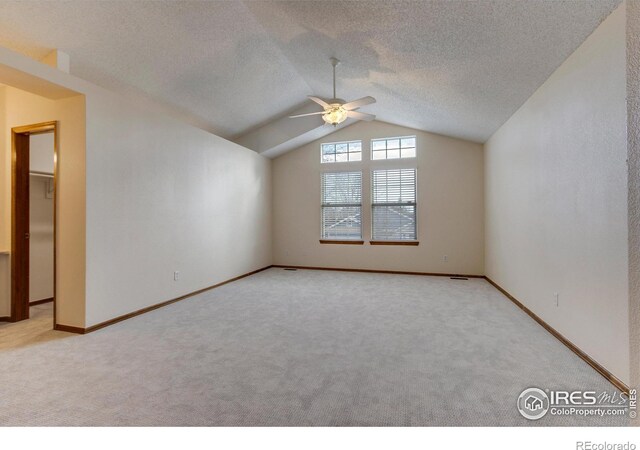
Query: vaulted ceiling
451,67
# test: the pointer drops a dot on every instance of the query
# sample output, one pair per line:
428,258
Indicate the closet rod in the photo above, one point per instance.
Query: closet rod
40,174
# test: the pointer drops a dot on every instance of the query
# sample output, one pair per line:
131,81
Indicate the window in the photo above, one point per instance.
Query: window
394,205
342,205
341,152
393,148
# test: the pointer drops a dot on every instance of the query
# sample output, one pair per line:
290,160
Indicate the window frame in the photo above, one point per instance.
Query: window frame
378,241
386,148
341,240
348,153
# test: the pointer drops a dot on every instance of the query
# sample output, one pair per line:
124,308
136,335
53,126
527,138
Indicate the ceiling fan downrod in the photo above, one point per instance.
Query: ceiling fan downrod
334,62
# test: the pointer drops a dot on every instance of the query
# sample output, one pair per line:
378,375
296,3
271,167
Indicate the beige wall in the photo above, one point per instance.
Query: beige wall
23,108
556,200
41,238
450,205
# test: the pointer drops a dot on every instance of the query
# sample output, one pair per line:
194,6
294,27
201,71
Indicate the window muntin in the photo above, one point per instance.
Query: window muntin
341,205
393,205
393,148
341,152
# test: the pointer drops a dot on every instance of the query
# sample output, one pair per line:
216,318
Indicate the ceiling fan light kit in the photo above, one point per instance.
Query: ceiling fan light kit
337,110
336,115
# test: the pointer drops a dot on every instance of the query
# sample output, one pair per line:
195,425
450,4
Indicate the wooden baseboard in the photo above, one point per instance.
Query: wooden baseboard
5,319
393,272
40,302
570,345
69,329
101,325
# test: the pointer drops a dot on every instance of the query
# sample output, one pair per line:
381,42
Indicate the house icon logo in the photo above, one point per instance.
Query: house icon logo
533,403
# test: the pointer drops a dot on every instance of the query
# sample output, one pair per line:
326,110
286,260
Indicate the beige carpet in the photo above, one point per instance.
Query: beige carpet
300,348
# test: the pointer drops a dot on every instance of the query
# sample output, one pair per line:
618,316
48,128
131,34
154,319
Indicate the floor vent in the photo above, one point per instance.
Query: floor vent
293,270
458,278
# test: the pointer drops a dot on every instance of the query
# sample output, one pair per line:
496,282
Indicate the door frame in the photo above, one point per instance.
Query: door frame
20,306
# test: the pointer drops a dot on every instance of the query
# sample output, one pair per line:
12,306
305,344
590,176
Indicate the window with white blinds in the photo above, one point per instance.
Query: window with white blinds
342,205
394,205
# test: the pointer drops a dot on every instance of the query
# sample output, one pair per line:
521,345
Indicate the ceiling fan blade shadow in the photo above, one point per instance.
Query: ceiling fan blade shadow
360,116
308,114
359,103
319,101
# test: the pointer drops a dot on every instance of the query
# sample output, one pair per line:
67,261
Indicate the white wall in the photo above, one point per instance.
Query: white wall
41,153
5,217
633,142
160,196
556,199
41,237
450,206
163,196
5,284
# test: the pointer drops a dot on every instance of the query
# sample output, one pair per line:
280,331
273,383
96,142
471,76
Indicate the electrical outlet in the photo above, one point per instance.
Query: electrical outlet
176,276
445,258
555,294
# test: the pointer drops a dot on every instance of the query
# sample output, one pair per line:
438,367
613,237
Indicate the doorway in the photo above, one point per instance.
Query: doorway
33,224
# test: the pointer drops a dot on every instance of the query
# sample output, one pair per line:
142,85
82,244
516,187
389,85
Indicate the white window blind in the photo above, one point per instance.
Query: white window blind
342,205
394,205
393,148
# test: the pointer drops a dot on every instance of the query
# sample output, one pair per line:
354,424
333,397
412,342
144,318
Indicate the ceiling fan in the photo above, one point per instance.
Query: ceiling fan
337,110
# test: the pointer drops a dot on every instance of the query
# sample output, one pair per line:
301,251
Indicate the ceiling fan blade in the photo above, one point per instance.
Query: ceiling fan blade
358,103
360,116
308,114
319,101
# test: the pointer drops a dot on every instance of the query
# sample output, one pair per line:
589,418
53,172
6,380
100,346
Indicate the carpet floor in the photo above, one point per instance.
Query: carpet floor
300,348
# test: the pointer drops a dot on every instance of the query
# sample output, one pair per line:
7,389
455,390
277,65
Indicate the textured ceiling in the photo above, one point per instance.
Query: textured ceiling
450,67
